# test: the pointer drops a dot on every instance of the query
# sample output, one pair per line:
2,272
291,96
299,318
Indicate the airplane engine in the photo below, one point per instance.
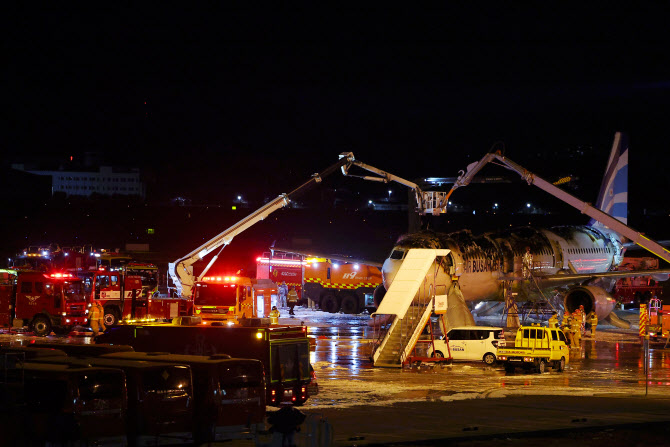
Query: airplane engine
592,298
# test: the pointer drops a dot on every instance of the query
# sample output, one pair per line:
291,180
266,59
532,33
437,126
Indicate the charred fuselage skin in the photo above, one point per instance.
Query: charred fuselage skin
482,263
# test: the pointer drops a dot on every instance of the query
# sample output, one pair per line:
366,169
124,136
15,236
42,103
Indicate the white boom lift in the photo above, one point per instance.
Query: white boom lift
181,271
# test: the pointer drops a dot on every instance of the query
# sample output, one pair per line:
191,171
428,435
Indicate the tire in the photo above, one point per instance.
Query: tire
560,365
350,304
41,326
541,366
437,354
111,317
329,303
489,358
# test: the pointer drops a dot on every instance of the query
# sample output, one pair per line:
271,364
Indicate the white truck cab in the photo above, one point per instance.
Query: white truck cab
470,344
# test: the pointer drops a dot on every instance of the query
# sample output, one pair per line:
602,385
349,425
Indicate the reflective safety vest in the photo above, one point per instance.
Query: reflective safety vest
96,312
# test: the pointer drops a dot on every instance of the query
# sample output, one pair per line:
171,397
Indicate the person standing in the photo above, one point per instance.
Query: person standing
96,317
593,321
527,263
274,315
576,327
292,300
283,290
553,321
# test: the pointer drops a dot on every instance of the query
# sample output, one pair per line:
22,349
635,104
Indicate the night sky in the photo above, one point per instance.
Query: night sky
213,101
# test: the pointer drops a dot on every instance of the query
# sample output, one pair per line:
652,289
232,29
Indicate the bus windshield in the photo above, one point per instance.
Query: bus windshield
215,294
290,361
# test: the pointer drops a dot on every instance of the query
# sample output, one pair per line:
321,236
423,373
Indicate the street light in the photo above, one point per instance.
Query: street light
389,195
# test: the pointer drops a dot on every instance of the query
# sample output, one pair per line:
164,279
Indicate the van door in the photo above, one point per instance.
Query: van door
476,344
457,343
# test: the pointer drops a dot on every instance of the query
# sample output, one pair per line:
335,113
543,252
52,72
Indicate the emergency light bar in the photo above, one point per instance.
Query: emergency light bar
281,262
220,278
60,275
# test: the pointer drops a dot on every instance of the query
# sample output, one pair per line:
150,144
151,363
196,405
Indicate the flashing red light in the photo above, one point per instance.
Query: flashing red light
60,275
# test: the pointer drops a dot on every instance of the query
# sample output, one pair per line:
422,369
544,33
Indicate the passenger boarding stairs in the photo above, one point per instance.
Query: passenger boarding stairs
410,300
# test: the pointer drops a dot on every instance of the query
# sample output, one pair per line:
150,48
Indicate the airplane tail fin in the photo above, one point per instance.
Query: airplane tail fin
613,197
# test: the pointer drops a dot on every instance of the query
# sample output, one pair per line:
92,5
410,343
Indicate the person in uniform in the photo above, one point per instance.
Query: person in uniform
96,317
527,262
553,321
565,323
576,327
292,300
274,315
283,290
593,321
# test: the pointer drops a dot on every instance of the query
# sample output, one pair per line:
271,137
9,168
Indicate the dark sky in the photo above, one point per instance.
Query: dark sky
203,98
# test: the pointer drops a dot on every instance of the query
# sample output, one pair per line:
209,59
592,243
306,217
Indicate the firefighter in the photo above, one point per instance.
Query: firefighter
565,324
274,315
527,263
582,313
553,321
96,315
593,321
292,300
576,327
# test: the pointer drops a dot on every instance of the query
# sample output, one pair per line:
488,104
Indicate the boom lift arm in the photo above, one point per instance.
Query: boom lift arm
181,271
585,208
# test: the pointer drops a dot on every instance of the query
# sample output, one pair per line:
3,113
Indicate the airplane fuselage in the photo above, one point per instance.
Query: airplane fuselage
481,263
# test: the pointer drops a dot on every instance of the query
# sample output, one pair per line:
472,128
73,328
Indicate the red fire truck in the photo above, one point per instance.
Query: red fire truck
124,297
230,298
639,289
41,301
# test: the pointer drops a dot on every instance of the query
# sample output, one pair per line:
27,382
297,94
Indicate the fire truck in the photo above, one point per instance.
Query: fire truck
52,257
41,301
124,296
631,292
231,298
333,285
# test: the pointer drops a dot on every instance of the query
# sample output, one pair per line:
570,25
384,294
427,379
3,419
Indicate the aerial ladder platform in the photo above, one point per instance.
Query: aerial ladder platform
410,300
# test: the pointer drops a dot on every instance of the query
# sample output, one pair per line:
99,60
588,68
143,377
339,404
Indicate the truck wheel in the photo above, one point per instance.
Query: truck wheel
560,365
111,316
329,303
437,354
349,304
541,366
41,326
489,358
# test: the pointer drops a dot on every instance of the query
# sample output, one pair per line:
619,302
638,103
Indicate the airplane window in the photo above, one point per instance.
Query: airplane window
397,254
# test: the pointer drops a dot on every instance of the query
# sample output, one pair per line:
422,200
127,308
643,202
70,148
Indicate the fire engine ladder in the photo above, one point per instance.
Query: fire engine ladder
408,301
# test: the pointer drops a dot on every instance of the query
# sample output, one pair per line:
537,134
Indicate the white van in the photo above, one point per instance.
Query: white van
469,343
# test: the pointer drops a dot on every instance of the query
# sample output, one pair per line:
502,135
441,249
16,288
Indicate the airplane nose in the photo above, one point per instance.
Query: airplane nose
389,270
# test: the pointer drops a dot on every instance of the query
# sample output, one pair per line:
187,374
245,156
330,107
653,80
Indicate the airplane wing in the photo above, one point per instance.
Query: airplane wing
657,274
331,256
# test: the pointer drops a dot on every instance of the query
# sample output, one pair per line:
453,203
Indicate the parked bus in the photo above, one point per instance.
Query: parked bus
283,350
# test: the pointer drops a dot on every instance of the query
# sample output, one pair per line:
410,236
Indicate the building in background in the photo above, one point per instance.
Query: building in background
107,180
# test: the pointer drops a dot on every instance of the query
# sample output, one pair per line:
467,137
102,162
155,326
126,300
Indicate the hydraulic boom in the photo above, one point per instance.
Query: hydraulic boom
586,208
